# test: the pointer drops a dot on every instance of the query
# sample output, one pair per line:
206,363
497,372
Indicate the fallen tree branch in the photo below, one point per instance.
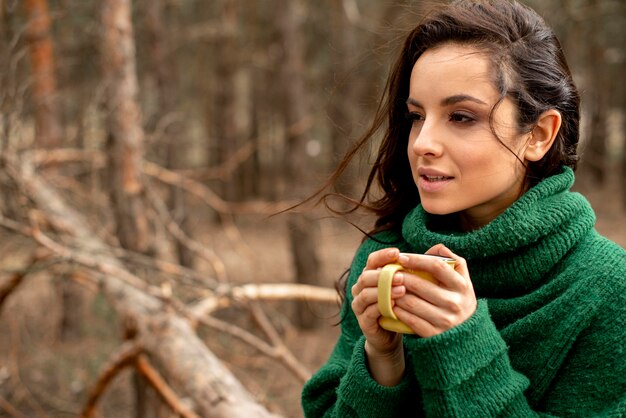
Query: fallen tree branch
220,299
47,158
162,388
180,235
8,285
212,199
282,352
170,340
10,409
267,292
279,352
125,356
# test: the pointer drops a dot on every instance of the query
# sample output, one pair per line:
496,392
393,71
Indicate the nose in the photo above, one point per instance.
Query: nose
424,139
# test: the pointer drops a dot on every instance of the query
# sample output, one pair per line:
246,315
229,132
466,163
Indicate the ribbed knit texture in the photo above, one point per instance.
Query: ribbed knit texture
548,337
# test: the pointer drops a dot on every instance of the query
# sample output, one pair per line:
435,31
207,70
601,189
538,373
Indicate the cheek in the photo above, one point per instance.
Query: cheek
480,162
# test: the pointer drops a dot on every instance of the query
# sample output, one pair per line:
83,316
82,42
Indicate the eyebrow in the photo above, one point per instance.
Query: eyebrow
457,98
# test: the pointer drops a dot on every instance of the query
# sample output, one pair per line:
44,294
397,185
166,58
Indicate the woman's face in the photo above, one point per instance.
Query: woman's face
458,164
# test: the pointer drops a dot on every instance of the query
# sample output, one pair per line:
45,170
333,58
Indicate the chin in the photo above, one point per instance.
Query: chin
437,209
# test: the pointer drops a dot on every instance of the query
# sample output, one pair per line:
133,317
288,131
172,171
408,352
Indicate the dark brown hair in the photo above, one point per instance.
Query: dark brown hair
529,67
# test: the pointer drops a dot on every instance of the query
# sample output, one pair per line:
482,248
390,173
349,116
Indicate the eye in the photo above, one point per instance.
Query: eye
461,117
414,117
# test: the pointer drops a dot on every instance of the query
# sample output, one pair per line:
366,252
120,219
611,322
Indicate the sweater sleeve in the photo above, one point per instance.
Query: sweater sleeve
466,372
343,386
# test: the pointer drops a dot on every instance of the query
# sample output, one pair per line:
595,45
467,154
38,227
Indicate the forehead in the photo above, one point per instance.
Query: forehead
453,68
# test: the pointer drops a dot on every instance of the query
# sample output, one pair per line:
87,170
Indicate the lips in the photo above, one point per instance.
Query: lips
432,174
431,180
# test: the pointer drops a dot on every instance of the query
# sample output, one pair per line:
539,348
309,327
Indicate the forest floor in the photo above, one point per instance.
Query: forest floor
42,376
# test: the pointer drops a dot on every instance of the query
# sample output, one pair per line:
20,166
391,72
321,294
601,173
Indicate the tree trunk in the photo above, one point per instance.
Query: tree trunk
175,133
125,144
302,231
225,114
47,121
598,96
343,94
621,105
48,133
124,125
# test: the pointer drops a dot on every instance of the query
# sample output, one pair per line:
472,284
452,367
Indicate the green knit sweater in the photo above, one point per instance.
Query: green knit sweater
548,337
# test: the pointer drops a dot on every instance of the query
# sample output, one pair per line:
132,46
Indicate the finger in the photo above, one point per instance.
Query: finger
381,258
429,291
443,251
369,278
369,296
440,317
419,325
426,319
368,319
438,268
366,298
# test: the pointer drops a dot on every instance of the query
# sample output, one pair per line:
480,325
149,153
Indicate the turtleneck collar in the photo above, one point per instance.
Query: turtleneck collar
513,253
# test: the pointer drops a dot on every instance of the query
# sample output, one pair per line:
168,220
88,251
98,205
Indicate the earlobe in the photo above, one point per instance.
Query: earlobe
543,135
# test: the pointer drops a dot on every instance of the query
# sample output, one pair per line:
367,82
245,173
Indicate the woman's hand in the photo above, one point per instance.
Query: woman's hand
430,309
383,348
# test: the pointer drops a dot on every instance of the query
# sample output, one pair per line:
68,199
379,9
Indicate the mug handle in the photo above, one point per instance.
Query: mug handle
389,320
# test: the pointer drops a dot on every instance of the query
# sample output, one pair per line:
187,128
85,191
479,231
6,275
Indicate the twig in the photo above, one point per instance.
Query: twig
183,238
239,333
87,260
166,267
46,158
162,388
123,357
282,352
211,386
9,409
14,226
255,342
225,170
10,284
275,292
224,209
210,197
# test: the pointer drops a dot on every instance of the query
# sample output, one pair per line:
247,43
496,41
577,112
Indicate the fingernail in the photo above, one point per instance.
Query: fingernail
403,259
397,290
393,252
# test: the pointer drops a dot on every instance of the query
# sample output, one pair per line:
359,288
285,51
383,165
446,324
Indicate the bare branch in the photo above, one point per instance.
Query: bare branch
285,291
225,170
282,352
162,388
277,353
11,283
168,337
183,238
210,197
47,158
10,409
123,357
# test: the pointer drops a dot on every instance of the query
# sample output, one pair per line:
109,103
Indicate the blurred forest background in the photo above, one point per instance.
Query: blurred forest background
144,146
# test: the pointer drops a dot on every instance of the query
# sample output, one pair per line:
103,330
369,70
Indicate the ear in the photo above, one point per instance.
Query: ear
543,134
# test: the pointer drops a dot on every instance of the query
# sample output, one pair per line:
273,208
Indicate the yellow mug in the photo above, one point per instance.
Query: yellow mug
388,319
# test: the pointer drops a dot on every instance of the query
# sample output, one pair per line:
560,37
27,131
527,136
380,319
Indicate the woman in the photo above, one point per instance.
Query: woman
476,165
